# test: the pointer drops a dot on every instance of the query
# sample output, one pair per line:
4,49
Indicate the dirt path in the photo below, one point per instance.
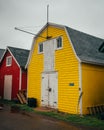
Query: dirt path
27,121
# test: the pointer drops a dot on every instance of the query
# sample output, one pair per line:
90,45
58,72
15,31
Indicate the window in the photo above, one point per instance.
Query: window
40,48
9,61
59,42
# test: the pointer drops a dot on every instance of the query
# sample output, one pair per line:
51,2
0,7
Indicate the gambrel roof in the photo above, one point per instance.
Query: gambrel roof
20,55
87,48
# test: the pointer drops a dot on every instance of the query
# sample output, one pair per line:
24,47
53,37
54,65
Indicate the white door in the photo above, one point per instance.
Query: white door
44,90
49,90
49,55
7,87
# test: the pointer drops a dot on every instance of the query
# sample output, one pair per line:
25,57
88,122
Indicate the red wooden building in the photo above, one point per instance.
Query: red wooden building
13,75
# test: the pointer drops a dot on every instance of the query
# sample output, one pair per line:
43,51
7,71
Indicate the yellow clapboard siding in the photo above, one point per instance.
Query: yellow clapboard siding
67,67
93,91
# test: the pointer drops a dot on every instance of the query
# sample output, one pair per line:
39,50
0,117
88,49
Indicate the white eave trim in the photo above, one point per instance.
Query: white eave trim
72,44
34,39
92,63
30,53
11,55
49,24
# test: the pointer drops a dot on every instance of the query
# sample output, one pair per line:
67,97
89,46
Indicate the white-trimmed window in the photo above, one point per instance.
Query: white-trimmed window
40,48
59,43
9,61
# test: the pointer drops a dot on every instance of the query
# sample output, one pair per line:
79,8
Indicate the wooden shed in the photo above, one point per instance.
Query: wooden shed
66,69
13,75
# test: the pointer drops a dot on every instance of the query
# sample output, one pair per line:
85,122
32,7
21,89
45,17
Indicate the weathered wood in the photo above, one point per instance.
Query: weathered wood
23,97
18,96
96,109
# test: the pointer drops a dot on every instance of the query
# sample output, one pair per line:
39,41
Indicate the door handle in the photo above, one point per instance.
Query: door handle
49,89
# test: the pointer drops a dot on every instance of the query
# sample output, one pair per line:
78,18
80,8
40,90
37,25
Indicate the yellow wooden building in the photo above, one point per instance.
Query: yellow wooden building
66,69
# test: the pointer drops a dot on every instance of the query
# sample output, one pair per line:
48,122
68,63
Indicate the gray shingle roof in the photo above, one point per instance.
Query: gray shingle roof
86,46
1,52
21,55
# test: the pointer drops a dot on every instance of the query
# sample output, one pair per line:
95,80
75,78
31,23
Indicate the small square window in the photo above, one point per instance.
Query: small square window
59,42
9,61
40,47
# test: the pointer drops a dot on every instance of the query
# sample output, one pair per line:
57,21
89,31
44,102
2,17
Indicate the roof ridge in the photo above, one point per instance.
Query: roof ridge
17,48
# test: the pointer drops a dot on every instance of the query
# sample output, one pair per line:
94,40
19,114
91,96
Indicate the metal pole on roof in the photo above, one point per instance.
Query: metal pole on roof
47,14
47,19
48,37
28,32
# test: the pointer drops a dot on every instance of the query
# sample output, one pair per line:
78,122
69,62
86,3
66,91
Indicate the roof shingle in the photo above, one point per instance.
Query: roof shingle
86,46
1,52
21,55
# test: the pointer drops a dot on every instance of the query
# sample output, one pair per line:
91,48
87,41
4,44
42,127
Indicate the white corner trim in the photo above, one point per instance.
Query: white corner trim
20,79
27,84
80,88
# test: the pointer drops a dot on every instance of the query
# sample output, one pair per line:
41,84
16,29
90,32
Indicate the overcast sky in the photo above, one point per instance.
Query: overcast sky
30,15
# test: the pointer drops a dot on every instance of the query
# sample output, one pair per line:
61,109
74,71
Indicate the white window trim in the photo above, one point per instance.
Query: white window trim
7,61
38,48
56,44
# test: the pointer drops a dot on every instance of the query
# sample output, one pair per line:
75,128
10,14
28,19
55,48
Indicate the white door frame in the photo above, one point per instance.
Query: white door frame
7,87
49,89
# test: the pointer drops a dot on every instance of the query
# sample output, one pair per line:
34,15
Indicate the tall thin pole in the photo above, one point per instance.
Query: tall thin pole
47,13
47,19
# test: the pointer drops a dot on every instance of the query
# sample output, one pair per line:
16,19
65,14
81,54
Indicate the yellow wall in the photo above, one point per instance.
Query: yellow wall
67,66
92,86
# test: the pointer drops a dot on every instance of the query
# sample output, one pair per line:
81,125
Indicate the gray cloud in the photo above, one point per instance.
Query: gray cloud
83,15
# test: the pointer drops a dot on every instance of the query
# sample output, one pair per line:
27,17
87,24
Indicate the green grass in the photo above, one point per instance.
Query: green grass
23,107
75,119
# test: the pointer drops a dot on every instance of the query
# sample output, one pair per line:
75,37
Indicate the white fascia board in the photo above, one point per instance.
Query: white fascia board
30,53
92,63
72,45
49,24
34,39
13,57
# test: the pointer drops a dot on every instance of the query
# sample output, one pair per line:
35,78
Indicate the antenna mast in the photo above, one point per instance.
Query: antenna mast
47,19
28,32
47,37
47,13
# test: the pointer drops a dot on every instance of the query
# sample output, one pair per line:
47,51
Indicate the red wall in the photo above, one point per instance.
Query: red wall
13,70
24,80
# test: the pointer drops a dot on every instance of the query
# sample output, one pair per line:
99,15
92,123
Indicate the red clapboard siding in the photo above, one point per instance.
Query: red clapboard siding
13,70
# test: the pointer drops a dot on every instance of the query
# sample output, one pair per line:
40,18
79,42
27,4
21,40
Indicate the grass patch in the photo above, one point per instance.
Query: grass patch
75,119
23,107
